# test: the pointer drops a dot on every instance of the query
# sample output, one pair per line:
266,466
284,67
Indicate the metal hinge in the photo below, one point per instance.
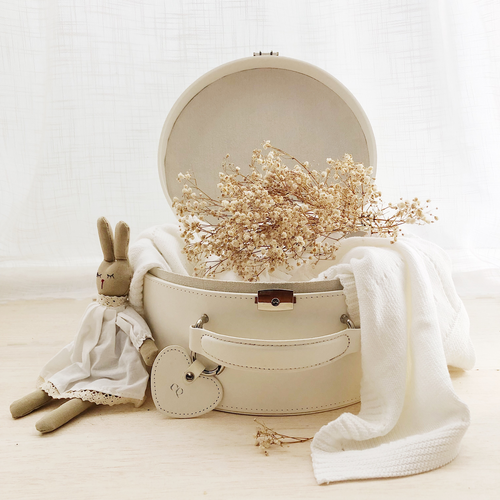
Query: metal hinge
275,300
266,53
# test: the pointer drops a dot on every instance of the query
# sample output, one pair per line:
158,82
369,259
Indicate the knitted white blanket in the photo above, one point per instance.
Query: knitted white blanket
413,325
158,246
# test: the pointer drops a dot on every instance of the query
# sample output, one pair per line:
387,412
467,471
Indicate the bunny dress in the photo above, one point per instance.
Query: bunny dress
102,364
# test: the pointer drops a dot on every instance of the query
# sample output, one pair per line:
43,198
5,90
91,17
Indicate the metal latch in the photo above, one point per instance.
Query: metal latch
275,300
260,53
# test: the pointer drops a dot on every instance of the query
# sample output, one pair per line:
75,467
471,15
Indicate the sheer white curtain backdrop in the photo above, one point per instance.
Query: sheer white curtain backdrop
85,87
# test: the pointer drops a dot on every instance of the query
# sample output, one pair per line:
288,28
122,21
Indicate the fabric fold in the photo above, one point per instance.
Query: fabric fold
102,364
158,246
412,323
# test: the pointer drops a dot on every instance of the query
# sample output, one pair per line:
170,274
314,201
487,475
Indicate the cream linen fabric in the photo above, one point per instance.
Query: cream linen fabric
413,325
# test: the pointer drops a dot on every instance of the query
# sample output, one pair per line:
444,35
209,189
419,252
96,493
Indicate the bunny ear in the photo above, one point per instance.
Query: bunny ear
106,238
122,237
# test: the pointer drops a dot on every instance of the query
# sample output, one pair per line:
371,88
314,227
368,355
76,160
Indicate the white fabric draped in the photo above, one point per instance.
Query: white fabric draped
86,86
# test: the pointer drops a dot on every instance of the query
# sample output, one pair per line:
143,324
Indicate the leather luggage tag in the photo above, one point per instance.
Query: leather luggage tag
178,387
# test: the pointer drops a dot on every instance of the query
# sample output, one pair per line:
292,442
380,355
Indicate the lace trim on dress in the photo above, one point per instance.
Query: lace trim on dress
112,301
99,398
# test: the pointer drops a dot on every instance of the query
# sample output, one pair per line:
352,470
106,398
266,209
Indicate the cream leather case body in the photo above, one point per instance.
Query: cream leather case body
254,348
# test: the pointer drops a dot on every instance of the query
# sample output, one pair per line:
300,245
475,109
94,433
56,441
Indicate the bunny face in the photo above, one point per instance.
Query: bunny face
115,273
113,278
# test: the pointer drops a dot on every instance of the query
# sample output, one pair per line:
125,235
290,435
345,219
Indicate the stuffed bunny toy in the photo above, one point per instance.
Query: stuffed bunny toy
105,363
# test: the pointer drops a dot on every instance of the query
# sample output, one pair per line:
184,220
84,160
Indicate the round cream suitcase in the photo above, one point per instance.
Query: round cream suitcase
254,348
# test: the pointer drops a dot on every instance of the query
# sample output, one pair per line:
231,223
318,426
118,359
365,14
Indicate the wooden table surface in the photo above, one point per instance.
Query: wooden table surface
128,452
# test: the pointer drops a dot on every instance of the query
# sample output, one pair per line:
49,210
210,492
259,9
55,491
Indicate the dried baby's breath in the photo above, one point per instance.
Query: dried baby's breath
284,216
267,437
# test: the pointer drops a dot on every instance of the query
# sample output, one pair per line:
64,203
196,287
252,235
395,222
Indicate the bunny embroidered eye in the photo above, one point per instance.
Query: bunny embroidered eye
98,275
111,276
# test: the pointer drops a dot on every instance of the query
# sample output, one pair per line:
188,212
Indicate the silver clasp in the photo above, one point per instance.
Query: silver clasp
347,321
275,300
199,324
216,371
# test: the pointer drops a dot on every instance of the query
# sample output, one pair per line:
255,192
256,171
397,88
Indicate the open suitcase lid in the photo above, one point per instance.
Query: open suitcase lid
232,109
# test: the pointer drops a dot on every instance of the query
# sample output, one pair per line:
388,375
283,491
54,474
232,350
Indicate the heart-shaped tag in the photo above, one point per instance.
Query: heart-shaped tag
176,396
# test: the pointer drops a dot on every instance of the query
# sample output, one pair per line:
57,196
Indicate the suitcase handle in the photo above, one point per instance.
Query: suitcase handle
273,355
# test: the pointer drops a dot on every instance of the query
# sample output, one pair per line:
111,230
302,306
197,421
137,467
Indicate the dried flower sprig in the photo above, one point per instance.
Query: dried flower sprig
279,217
267,437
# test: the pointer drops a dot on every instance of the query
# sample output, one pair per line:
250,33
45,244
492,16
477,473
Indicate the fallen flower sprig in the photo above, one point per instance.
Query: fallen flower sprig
267,437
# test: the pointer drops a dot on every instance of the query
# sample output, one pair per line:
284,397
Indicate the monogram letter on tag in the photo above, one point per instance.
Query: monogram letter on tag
177,397
179,391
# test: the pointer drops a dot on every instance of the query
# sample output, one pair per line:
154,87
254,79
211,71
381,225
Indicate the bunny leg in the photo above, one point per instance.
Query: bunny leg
62,415
29,403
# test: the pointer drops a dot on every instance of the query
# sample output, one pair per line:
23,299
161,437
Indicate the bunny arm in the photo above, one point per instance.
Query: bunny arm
149,351
132,323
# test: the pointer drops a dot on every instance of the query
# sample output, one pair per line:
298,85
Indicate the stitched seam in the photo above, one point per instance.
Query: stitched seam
327,406
204,410
226,363
236,295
